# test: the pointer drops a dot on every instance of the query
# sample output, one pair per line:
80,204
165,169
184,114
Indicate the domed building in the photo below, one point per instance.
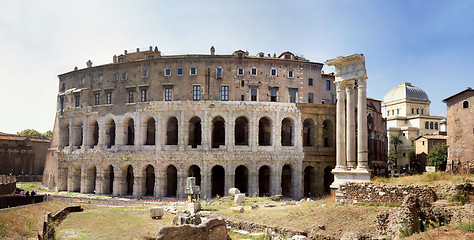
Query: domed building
407,110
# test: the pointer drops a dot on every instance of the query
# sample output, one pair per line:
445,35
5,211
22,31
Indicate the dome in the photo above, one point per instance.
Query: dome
406,91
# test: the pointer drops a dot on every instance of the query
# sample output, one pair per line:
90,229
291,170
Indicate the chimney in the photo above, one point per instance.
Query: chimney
89,64
151,48
115,58
125,52
138,49
213,50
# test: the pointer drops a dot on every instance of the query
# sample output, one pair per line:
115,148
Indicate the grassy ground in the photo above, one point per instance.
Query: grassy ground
434,178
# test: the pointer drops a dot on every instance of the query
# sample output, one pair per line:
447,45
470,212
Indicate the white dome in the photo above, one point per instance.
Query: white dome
406,91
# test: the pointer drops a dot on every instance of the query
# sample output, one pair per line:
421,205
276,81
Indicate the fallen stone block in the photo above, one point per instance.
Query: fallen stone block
239,199
234,191
157,212
239,209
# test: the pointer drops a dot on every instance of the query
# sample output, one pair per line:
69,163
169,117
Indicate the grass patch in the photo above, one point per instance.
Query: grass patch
3,230
467,227
433,178
379,204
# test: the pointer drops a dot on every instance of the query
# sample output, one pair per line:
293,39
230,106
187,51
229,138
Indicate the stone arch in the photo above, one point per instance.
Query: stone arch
149,173
65,134
264,181
91,177
150,131
328,179
75,178
172,131
108,176
218,132
171,181
94,133
309,178
264,132
218,181
63,177
129,131
328,133
241,180
241,131
195,171
308,133
195,131
110,132
286,180
129,179
287,132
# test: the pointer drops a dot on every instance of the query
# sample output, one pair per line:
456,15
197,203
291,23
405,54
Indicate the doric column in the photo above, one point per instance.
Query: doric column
362,147
340,127
229,180
181,184
350,125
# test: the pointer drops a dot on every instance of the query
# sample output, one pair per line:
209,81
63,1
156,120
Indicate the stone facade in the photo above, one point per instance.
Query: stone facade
141,125
424,144
460,121
377,133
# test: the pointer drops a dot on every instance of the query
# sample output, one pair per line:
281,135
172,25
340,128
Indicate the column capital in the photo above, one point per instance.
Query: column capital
361,82
339,86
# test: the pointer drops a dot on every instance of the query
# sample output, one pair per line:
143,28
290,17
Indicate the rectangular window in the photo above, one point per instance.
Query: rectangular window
196,92
242,97
61,102
77,100
193,71
254,71
108,99
168,72
292,96
168,94
393,112
115,76
143,95
253,94
219,72
310,97
124,76
421,111
310,82
131,96
328,85
145,73
431,125
121,60
273,95
96,99
417,111
398,111
151,57
291,74
240,71
83,80
100,78
388,113
273,72
412,111
224,93
179,71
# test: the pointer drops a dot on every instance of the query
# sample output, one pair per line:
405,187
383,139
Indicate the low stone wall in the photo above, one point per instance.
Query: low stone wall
50,221
15,200
213,229
256,227
353,193
7,184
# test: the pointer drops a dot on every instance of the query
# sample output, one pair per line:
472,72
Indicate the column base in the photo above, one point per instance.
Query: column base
342,176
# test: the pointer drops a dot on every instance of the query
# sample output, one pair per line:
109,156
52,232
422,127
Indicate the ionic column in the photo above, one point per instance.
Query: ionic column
340,127
350,125
362,147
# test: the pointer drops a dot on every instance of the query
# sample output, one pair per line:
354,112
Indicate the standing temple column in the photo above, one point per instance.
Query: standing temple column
350,125
362,148
340,122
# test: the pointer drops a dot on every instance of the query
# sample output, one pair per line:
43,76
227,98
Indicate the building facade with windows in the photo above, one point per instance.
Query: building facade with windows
142,124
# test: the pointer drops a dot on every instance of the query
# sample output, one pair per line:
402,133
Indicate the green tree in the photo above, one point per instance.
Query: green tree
438,157
34,133
48,134
395,142
392,159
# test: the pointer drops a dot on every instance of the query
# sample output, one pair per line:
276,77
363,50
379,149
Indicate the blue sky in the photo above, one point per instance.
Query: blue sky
428,43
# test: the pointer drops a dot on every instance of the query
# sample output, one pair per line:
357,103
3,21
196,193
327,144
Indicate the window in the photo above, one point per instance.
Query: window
404,154
398,111
143,95
115,76
240,55
193,71
412,142
180,71
422,112
145,73
412,111
291,74
168,72
242,97
253,94
196,92
77,100
61,101
292,96
423,143
310,97
83,80
403,134
63,87
219,72
273,72
168,94
417,111
431,125
253,71
240,71
310,82
328,85
388,113
465,104
225,93
100,78
131,96
242,83
273,95
124,76
436,126
96,99
108,98
121,60
427,125
151,57
393,112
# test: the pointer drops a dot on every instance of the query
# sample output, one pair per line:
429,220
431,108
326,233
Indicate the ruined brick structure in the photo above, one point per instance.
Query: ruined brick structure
141,125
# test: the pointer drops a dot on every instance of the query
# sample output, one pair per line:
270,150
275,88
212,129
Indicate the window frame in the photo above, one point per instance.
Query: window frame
219,72
254,97
131,96
191,71
108,98
144,73
96,98
240,71
179,71
310,97
167,72
273,72
143,95
124,76
328,85
77,100
196,92
224,92
169,94
292,95
252,71
292,73
273,94
310,82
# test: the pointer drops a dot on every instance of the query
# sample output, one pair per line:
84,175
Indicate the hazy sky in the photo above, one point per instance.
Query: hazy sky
428,43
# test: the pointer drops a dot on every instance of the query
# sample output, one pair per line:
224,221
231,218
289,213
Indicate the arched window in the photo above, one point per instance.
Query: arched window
427,125
172,131
436,126
465,104
287,132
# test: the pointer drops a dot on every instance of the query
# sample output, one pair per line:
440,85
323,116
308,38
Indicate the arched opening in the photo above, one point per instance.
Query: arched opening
308,132
130,132
328,179
241,131
95,134
65,135
264,132
76,178
150,132
327,133
149,180
465,104
195,132
108,179
110,133
218,181
309,179
264,181
130,179
63,178
171,181
78,134
172,131
195,171
91,174
218,132
286,132
286,181
241,178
